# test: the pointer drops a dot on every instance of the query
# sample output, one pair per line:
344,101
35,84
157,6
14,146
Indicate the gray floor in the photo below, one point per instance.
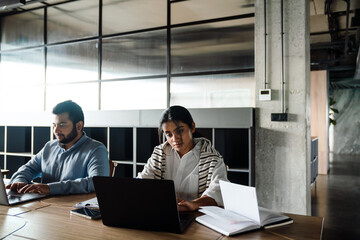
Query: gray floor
337,198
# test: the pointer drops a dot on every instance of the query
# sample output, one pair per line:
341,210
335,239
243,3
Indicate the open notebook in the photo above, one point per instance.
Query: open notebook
241,212
8,197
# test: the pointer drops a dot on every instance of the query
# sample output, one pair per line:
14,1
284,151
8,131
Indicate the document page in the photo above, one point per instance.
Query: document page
224,227
268,216
241,200
227,217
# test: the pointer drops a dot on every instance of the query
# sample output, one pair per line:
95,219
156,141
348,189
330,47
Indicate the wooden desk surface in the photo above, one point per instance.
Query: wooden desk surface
51,219
303,227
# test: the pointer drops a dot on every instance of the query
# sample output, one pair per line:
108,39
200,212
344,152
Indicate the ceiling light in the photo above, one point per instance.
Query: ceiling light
8,4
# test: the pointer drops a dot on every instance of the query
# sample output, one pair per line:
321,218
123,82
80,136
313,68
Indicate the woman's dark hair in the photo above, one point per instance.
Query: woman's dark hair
73,109
176,114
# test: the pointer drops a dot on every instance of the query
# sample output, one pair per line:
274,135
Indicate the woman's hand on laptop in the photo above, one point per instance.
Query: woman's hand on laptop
194,205
35,188
184,205
15,186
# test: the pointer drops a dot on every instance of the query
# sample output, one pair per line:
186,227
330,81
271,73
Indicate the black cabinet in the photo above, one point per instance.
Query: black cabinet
231,131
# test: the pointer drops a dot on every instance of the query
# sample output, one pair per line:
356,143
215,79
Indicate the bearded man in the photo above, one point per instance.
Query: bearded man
65,165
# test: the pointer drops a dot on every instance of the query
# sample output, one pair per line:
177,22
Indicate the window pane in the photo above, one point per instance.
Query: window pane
22,98
216,46
22,30
135,94
22,68
134,55
214,91
72,62
84,94
135,14
22,78
190,11
73,20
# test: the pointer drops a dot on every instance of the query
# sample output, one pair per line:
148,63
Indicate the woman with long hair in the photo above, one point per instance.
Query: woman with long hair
192,163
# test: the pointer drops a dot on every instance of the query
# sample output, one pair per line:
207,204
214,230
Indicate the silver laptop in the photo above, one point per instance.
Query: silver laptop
8,197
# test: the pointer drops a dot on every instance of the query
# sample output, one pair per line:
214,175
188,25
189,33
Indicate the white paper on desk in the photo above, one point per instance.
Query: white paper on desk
10,224
91,203
240,199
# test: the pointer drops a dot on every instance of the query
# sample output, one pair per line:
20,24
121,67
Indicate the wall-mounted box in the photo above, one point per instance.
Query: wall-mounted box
265,94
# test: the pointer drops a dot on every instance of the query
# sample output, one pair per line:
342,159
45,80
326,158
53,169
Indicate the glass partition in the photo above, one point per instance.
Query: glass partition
24,67
134,94
214,91
22,98
134,55
76,62
22,30
190,11
216,46
59,51
22,79
73,20
125,16
84,94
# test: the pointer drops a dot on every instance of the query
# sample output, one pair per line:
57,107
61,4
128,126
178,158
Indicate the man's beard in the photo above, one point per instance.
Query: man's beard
72,135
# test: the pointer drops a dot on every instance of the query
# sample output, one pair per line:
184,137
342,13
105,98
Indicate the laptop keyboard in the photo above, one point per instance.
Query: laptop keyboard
185,218
13,194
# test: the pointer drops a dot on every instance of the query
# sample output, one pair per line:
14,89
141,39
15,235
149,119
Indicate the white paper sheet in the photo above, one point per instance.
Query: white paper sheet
240,199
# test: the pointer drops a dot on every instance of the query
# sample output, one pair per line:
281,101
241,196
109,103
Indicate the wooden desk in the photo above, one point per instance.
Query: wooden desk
303,228
53,221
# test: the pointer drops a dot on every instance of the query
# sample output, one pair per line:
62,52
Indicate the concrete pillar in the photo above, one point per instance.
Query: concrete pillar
282,149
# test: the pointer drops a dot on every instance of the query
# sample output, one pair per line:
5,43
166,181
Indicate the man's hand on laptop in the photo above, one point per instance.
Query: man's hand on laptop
29,188
15,186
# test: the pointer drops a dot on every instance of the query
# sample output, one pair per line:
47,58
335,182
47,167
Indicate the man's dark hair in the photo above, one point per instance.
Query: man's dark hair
73,109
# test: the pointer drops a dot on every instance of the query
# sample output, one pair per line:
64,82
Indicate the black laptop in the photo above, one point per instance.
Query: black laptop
146,204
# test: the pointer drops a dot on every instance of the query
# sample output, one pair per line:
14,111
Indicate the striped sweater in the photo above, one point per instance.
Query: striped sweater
208,160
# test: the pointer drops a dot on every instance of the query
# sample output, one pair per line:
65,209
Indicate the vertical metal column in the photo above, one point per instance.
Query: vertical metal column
134,152
168,53
100,53
282,85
